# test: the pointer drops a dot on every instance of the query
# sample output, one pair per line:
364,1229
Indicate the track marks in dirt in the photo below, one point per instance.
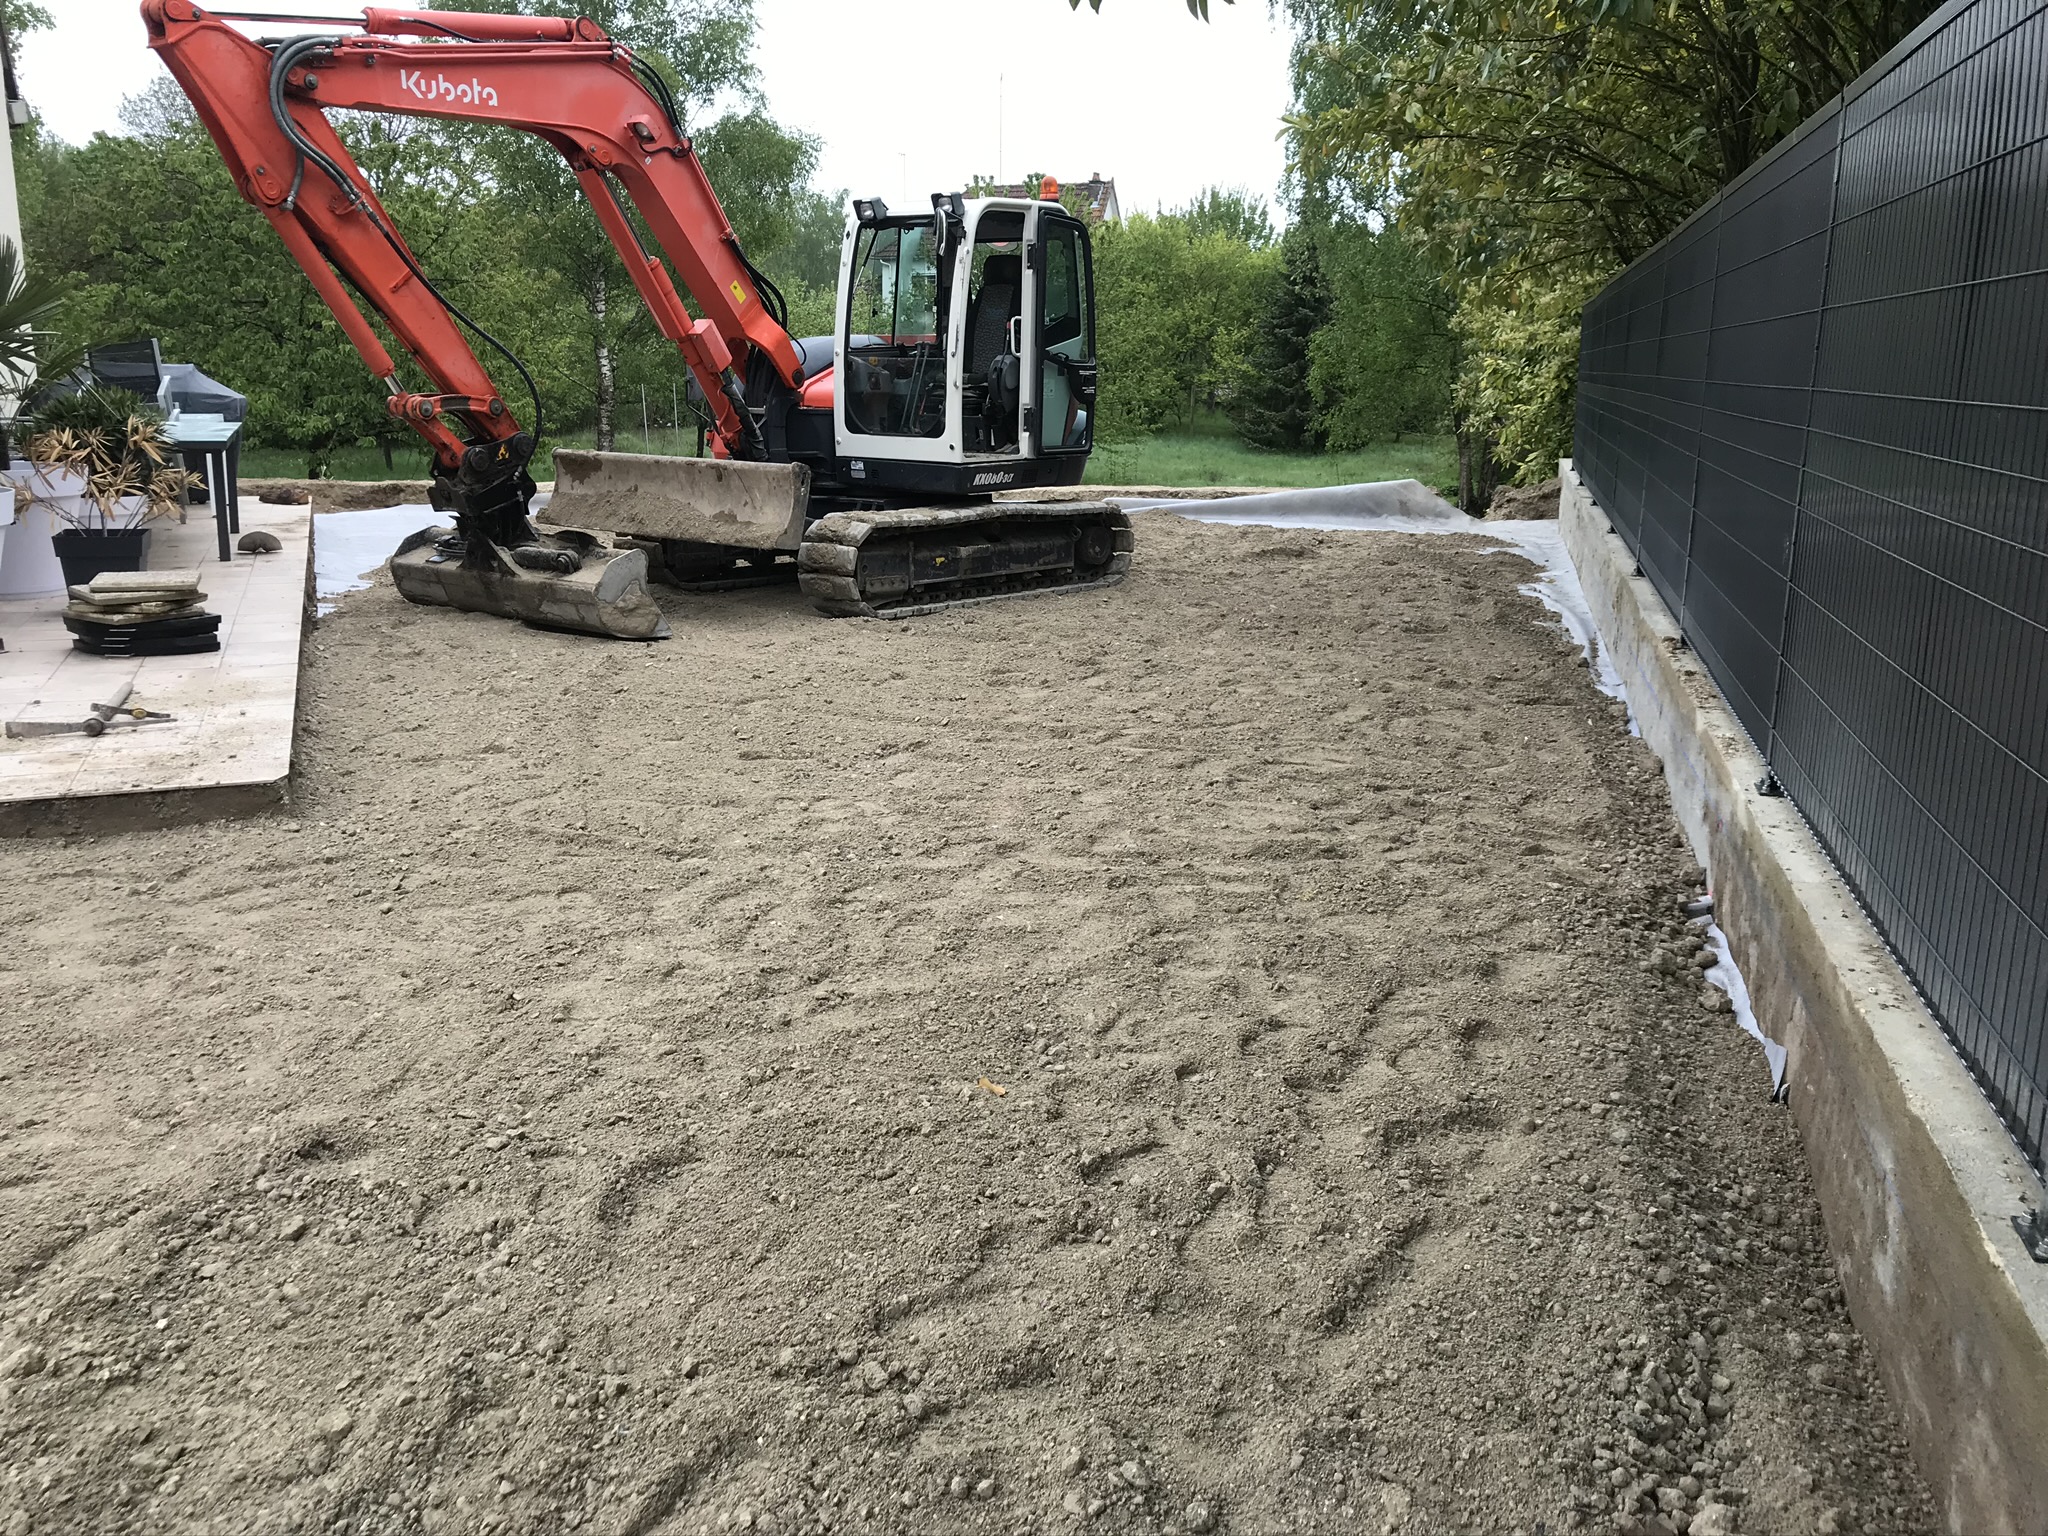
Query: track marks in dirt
667,1186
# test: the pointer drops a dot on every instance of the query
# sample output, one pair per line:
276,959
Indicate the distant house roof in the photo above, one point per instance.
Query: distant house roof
1098,196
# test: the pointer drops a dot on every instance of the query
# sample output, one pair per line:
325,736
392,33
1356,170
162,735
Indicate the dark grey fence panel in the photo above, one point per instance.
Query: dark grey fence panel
1773,244
1819,416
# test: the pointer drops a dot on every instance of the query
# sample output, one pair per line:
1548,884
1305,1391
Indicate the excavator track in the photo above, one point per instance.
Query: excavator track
908,561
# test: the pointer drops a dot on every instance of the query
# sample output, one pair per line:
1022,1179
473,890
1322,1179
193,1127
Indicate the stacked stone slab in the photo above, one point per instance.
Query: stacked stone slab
141,613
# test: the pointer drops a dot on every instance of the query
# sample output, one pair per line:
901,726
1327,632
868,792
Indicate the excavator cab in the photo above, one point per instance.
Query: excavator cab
964,365
966,351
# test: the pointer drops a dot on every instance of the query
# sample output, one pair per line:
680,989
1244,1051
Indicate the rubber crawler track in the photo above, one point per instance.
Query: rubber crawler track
828,561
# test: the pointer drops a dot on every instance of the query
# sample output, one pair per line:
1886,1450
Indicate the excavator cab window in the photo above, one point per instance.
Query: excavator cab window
895,352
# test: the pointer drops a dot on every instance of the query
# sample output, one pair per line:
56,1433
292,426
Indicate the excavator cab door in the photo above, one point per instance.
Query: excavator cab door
993,382
1059,341
892,344
931,330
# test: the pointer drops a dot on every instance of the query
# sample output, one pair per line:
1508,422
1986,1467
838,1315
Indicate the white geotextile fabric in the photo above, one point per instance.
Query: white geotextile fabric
1726,975
1391,506
1409,506
351,547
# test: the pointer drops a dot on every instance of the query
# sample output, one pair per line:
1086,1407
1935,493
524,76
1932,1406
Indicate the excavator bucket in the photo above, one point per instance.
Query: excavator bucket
606,593
725,502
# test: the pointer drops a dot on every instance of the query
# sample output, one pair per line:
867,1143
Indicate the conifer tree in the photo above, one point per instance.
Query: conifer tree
1274,407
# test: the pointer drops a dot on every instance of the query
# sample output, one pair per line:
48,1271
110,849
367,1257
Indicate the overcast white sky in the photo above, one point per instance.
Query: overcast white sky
904,94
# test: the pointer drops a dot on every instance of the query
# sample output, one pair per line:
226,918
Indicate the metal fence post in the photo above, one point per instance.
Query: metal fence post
1820,323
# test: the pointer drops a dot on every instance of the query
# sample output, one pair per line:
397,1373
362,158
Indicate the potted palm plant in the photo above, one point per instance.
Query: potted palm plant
103,460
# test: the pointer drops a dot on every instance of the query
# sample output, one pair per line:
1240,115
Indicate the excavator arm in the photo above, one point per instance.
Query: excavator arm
561,79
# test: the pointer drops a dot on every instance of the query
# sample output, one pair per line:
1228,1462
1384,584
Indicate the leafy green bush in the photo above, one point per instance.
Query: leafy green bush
1383,365
1518,378
1174,317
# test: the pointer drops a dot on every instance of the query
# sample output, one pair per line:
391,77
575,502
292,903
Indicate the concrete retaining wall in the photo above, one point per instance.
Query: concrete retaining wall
1917,1179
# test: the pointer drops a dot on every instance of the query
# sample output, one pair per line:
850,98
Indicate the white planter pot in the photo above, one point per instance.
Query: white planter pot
28,560
6,503
46,479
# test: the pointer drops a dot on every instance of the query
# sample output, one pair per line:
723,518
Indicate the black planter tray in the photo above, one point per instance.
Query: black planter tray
162,645
145,629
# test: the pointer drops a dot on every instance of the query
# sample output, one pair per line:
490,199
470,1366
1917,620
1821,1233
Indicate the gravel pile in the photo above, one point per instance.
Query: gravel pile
1221,1055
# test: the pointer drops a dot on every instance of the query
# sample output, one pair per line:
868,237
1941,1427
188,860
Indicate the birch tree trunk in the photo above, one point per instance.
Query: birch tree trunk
607,386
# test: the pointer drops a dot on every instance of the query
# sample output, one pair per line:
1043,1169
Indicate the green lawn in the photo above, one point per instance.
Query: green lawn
1204,456
1199,458
345,464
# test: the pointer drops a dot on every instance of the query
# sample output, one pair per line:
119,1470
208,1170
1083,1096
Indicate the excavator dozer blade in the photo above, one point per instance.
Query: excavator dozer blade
726,502
606,596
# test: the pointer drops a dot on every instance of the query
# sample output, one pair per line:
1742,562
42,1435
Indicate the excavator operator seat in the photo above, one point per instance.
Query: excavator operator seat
995,304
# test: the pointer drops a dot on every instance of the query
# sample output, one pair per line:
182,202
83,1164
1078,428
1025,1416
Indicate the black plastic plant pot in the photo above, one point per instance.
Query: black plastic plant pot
85,552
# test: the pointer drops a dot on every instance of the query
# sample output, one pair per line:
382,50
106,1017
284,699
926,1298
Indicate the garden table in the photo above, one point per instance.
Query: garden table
214,438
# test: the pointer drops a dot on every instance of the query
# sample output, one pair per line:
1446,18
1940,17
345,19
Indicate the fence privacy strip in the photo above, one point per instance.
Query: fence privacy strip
1818,415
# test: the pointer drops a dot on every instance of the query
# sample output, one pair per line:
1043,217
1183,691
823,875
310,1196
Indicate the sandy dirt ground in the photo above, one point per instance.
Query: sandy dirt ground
1511,502
1219,1055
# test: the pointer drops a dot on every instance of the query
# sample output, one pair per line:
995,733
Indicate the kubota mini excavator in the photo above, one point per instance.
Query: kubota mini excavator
963,360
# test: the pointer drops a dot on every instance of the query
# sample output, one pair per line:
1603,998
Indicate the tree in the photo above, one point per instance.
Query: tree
1535,148
21,17
1233,212
1276,406
817,229
1551,130
1174,312
1385,363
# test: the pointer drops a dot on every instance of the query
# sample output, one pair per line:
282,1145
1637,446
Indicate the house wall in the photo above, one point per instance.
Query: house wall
10,205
